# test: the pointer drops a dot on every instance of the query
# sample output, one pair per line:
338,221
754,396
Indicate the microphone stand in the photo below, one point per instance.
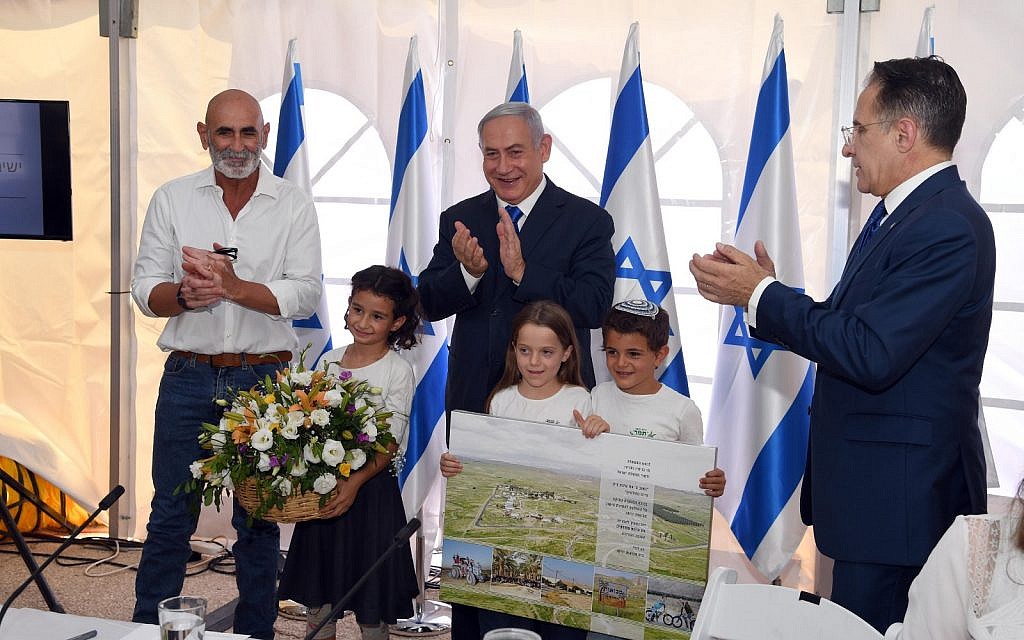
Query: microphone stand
401,538
423,623
105,504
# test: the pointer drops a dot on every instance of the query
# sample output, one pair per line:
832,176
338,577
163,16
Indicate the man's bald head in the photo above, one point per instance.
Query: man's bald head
233,98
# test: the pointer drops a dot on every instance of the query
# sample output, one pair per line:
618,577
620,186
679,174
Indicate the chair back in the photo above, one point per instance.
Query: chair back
731,611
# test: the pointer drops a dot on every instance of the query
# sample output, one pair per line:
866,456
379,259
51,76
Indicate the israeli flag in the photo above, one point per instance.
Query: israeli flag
517,89
412,228
630,194
926,38
291,163
761,392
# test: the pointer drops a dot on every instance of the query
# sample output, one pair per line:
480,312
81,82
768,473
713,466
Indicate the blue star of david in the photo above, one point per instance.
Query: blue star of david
758,351
630,266
426,328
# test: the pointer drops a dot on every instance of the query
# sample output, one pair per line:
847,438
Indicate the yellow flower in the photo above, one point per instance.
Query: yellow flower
269,398
345,469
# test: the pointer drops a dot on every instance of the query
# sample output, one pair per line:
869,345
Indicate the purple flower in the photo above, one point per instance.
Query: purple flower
351,408
275,461
345,375
243,448
363,438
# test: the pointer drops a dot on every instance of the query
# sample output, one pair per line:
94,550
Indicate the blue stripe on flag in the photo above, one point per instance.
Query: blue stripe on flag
629,129
522,91
776,472
413,124
675,375
771,120
290,132
428,407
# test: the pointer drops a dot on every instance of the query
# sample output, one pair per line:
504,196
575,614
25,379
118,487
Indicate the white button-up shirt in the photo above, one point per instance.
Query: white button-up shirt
278,243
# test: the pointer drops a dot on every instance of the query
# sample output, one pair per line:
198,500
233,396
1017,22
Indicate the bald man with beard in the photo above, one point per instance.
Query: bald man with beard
230,255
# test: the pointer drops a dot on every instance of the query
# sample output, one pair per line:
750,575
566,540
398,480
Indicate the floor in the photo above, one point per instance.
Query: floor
86,584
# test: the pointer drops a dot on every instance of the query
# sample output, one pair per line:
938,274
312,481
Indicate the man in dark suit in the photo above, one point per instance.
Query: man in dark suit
895,452
486,265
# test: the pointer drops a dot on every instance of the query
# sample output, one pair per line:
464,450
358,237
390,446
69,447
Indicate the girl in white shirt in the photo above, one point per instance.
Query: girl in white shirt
542,383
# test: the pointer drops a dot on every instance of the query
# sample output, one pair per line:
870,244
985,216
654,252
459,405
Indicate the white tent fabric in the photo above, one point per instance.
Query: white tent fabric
54,332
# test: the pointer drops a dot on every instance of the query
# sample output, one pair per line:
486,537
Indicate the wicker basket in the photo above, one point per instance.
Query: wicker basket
298,507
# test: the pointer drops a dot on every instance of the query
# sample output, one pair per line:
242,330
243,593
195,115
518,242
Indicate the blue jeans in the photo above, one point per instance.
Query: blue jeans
188,390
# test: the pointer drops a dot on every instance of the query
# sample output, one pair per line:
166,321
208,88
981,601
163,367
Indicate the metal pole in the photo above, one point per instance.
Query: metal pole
114,60
840,192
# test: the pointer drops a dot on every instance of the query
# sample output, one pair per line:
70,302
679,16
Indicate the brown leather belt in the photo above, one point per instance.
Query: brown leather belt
220,360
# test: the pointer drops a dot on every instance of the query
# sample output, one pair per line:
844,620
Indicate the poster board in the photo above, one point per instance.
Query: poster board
609,534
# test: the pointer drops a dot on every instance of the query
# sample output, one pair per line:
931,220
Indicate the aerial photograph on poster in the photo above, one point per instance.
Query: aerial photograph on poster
609,534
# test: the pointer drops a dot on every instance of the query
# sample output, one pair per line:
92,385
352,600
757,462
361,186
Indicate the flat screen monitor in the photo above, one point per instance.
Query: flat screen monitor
35,170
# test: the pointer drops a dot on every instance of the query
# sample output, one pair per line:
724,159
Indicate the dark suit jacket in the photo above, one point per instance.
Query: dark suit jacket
895,452
566,243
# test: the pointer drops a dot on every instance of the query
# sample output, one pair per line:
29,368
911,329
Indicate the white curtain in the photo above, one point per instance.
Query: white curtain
54,332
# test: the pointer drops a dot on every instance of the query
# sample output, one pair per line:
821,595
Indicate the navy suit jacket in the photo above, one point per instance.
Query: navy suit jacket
566,244
895,452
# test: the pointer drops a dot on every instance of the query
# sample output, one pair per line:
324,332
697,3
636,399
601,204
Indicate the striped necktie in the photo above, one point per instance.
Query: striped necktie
515,213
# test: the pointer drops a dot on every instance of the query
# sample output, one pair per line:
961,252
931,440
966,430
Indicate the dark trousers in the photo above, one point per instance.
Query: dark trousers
875,592
186,400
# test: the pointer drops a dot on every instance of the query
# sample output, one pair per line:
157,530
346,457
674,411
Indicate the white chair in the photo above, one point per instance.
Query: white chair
731,611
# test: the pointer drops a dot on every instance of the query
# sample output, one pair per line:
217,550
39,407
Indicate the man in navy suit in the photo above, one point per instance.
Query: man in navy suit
486,265
895,452
524,239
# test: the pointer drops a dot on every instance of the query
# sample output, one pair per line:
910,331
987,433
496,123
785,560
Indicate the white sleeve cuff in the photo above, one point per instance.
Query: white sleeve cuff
755,298
471,280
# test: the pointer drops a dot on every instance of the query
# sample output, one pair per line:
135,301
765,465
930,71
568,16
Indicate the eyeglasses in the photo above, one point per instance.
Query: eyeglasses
854,130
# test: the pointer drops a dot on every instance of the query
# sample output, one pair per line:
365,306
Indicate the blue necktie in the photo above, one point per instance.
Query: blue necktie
515,213
870,229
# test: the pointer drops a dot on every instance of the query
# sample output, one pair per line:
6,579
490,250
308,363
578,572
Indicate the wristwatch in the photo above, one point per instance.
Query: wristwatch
181,300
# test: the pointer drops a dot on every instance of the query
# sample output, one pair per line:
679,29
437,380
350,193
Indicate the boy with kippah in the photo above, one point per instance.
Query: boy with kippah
634,402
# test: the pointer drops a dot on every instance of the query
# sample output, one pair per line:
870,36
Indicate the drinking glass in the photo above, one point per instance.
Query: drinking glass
182,618
510,633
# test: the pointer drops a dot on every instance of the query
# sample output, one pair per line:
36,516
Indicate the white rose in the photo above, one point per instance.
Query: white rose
358,458
271,412
197,469
333,398
302,378
264,463
360,402
290,432
218,440
370,430
308,454
325,484
262,439
299,469
320,417
296,419
283,485
334,452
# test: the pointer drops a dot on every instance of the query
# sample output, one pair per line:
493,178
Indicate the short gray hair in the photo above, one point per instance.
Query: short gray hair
519,110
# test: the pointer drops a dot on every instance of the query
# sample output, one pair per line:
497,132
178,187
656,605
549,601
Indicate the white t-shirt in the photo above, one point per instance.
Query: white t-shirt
665,415
509,403
395,378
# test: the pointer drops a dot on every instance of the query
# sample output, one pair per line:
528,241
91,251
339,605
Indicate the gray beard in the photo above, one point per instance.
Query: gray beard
221,162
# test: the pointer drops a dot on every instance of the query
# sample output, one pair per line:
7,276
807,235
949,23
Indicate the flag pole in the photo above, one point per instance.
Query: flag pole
412,226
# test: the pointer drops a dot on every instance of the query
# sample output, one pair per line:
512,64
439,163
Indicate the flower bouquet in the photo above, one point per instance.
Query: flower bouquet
283,445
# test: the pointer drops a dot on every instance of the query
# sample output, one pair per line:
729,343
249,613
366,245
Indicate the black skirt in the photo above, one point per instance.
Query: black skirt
327,557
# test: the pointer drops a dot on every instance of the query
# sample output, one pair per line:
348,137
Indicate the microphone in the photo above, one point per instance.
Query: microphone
401,539
107,502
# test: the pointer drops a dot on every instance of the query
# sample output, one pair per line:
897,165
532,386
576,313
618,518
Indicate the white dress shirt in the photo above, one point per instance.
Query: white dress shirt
278,243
